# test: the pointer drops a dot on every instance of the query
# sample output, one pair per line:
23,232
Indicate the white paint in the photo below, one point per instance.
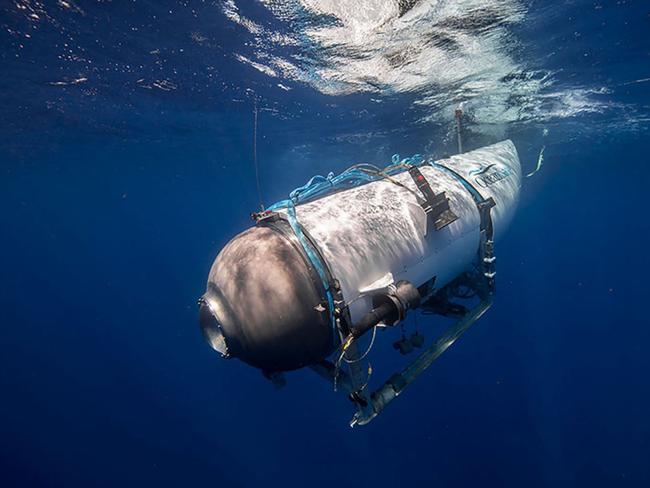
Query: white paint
367,232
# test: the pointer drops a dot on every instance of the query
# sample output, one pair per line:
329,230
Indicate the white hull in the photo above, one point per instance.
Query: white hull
371,231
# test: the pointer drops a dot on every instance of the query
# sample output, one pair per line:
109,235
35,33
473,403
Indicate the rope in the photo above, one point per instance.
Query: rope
362,357
354,176
337,365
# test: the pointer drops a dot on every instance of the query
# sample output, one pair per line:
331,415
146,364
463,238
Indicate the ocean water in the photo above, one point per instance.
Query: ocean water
126,144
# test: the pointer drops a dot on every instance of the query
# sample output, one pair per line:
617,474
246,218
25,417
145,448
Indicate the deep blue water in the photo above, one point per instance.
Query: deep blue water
125,151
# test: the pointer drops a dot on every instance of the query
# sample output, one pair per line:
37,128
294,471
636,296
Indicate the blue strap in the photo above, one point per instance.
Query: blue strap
478,198
315,260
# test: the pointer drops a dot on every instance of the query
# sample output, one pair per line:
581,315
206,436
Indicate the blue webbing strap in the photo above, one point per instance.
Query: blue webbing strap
486,250
315,260
483,204
478,198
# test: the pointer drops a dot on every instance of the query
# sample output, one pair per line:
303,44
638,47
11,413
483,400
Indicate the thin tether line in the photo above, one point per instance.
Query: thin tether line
257,171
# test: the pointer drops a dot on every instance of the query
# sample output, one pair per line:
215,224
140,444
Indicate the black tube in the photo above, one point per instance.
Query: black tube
408,295
387,311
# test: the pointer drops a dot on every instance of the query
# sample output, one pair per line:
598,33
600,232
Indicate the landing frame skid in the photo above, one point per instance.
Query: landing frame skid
352,380
477,283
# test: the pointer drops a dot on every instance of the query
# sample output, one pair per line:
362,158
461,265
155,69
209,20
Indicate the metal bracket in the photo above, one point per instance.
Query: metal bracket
436,206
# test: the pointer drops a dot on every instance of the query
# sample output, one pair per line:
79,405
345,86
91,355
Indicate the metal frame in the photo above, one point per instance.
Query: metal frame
480,282
369,405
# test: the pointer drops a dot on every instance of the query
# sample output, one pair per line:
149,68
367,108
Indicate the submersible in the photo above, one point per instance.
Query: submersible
349,253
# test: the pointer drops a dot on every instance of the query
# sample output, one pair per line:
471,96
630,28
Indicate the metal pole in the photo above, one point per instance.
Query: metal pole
398,382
